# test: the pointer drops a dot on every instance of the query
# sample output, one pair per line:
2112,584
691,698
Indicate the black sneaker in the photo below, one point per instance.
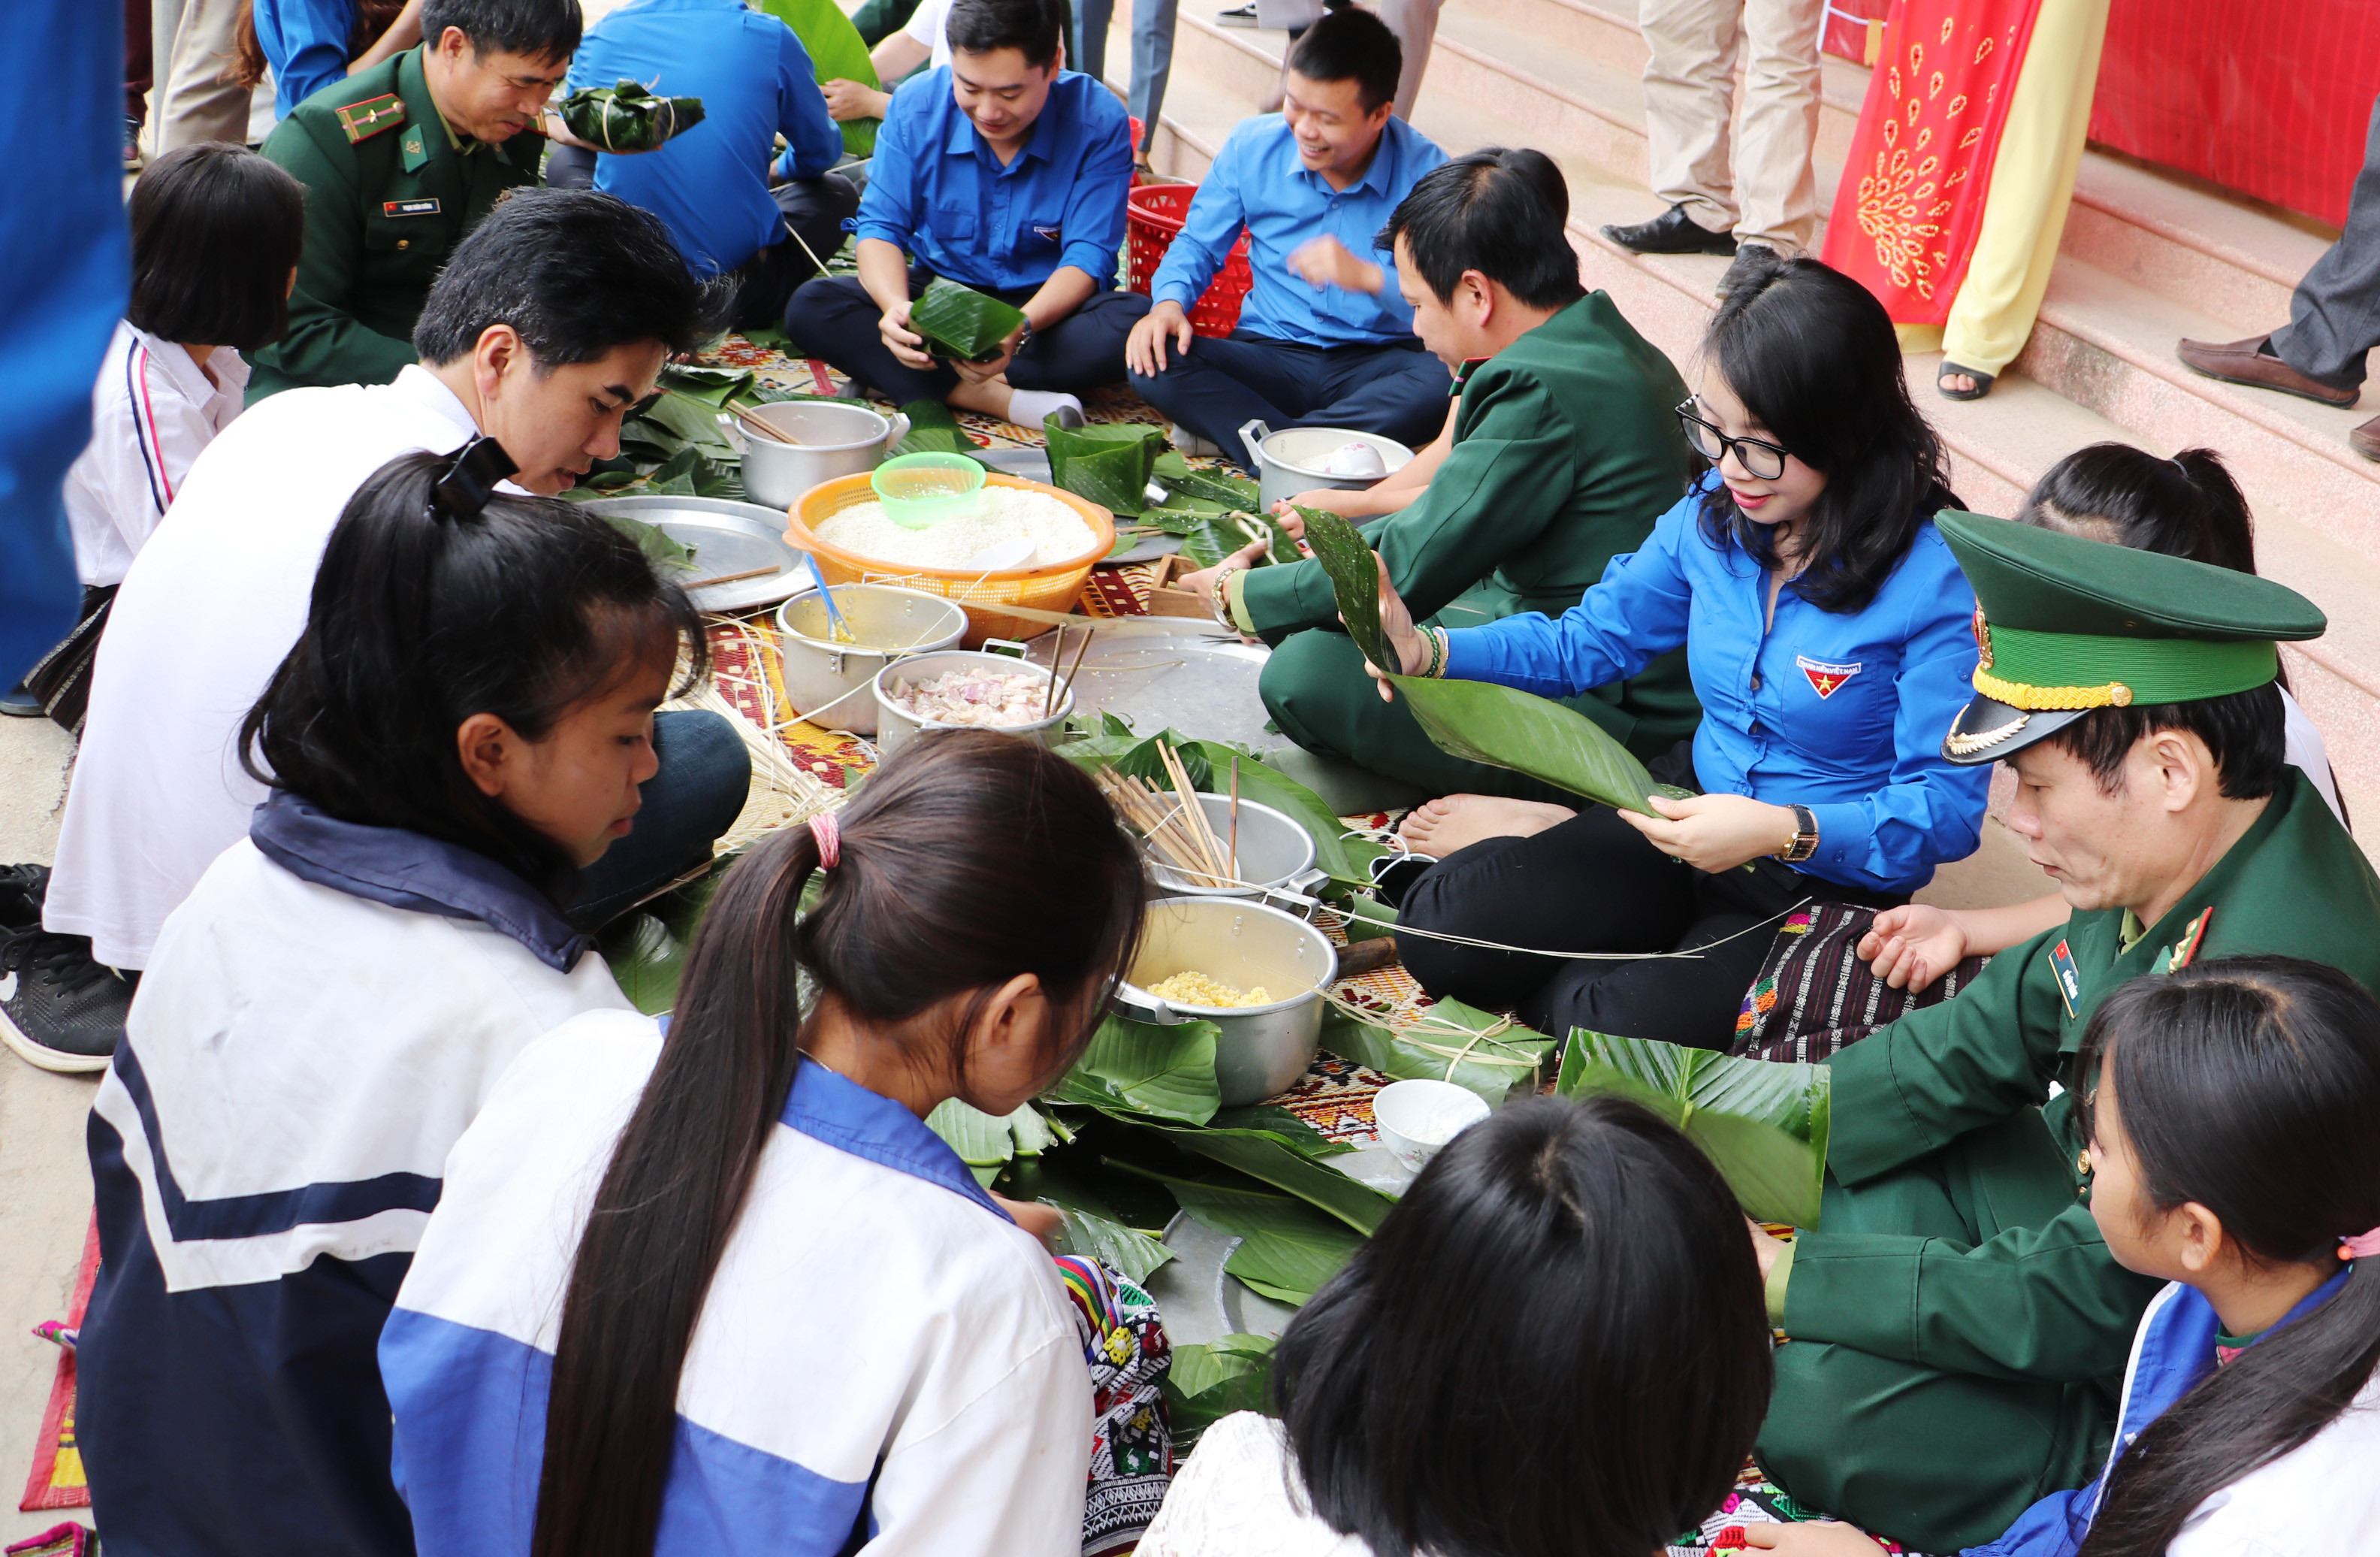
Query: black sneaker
21,704
58,1009
1239,15
22,887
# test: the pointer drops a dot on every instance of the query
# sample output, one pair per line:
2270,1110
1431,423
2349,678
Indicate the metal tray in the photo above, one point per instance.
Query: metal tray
727,536
1197,678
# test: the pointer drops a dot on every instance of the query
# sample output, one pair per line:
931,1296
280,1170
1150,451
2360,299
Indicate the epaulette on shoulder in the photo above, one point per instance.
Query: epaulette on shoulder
362,121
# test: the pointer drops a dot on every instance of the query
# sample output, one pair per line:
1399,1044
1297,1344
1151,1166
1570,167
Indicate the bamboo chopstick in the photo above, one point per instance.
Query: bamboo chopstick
764,427
1234,862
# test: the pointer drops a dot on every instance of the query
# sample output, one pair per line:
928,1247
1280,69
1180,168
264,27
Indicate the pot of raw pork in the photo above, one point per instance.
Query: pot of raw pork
964,690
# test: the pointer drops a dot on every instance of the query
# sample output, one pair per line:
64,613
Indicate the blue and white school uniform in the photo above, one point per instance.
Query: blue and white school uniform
885,1362
322,1016
2320,1500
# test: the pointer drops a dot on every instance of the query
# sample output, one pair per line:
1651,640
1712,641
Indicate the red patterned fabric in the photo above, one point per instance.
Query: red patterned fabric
1911,199
2270,99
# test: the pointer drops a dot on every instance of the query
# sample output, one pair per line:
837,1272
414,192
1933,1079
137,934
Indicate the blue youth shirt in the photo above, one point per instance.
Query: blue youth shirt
710,185
306,43
936,191
1842,713
1259,182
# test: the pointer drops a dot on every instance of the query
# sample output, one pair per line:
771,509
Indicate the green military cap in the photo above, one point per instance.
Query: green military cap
2067,625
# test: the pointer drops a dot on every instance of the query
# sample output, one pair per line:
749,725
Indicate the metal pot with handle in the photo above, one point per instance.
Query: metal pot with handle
831,438
1295,460
1260,1050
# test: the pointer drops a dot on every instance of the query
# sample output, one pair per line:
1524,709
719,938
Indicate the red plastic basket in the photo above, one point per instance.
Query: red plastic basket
1155,212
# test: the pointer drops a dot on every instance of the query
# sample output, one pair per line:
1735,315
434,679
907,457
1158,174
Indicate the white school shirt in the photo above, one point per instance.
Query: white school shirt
1235,1497
152,408
2322,1500
2303,749
930,24
208,609
880,1349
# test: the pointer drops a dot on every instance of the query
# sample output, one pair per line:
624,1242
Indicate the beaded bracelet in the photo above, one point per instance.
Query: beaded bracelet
1437,650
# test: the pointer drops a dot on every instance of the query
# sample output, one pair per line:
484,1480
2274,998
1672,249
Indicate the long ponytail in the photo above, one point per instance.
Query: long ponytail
970,857
2251,1086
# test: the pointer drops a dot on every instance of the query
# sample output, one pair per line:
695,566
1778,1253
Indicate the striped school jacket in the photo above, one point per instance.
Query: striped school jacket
884,1363
322,1016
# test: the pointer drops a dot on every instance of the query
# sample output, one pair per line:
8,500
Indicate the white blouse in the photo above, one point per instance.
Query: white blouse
152,408
1234,1497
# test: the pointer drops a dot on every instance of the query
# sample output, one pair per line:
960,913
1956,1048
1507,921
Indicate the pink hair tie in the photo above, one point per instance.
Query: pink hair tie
829,835
2363,1245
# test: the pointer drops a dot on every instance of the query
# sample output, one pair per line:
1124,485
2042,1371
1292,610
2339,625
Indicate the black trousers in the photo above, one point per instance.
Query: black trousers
835,319
813,208
1594,884
1397,390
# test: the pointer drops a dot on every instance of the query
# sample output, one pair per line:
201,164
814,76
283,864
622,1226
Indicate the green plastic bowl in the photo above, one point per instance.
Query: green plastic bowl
919,489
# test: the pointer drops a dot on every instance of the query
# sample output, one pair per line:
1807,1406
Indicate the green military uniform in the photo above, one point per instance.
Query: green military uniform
1959,1328
1566,449
390,191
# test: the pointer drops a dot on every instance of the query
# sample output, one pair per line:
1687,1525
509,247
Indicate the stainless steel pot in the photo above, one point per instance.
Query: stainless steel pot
836,439
828,680
1262,1050
1276,854
896,727
1289,462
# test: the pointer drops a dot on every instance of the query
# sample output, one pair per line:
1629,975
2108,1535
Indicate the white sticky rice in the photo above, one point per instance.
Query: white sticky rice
1000,514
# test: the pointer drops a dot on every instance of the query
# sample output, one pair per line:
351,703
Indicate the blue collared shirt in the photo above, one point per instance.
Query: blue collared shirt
306,43
1259,182
1843,712
710,185
936,191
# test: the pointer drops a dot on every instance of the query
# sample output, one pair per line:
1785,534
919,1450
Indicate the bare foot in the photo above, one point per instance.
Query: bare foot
1456,821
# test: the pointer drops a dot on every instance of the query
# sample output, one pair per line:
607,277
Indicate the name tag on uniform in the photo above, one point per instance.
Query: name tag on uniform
408,208
2069,981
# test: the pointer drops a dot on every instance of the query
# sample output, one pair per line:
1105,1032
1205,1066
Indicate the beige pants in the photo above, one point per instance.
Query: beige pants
1765,193
194,99
1414,21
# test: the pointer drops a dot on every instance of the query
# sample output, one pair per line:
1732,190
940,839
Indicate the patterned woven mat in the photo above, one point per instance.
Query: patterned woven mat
56,1479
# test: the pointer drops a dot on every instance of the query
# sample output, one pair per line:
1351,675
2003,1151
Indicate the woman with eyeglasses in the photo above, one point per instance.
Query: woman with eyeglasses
1828,631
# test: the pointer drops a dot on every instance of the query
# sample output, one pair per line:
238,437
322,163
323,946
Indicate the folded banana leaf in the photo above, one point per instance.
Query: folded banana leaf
1175,474
986,1145
1480,720
1108,463
666,556
836,51
1762,1122
692,472
1287,1248
1488,1054
629,118
712,387
933,430
1208,1381
964,323
689,420
1166,1073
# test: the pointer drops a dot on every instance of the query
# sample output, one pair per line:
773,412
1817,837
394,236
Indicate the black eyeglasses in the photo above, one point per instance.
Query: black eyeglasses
1762,460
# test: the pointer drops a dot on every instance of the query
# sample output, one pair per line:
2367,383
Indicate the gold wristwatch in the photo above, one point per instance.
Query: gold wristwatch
1805,842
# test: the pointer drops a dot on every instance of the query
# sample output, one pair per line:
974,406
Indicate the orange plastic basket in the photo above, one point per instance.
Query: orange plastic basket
1153,214
1054,587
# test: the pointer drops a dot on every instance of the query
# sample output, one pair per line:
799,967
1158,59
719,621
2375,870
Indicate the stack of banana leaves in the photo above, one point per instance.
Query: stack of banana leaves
1131,471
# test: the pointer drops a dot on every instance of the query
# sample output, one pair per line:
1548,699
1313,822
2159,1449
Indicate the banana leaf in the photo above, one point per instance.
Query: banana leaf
1107,463
1174,473
1506,727
1162,1073
1127,1249
933,430
1287,1249
1275,1160
690,472
1503,1058
629,118
1346,557
1764,1123
986,1145
666,556
1210,1380
964,323
712,387
836,51
694,422
646,950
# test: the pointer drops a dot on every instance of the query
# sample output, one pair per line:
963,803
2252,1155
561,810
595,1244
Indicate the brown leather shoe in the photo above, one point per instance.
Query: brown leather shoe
2366,440
2248,362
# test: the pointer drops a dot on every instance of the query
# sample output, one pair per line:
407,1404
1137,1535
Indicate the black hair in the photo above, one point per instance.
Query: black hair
577,272
2186,507
1497,211
419,620
1355,46
216,230
2246,734
970,857
2250,1086
1813,357
1611,1396
1033,27
537,29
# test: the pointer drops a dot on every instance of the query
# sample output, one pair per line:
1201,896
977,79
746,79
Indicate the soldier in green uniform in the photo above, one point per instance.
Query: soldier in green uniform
399,161
1563,450
1958,1326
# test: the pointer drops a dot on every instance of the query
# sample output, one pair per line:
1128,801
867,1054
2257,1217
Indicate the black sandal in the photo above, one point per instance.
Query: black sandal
1983,382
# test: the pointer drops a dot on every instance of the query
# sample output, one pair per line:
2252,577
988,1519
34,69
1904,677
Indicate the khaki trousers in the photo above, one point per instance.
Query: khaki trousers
1765,192
1414,21
195,99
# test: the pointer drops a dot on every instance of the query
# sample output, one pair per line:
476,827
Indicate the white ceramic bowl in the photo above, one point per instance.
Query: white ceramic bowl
1418,1118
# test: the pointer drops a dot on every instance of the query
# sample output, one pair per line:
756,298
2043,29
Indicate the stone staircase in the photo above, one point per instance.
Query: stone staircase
2148,256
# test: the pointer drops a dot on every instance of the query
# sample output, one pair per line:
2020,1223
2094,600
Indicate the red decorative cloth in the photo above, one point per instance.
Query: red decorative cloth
2270,99
1911,199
